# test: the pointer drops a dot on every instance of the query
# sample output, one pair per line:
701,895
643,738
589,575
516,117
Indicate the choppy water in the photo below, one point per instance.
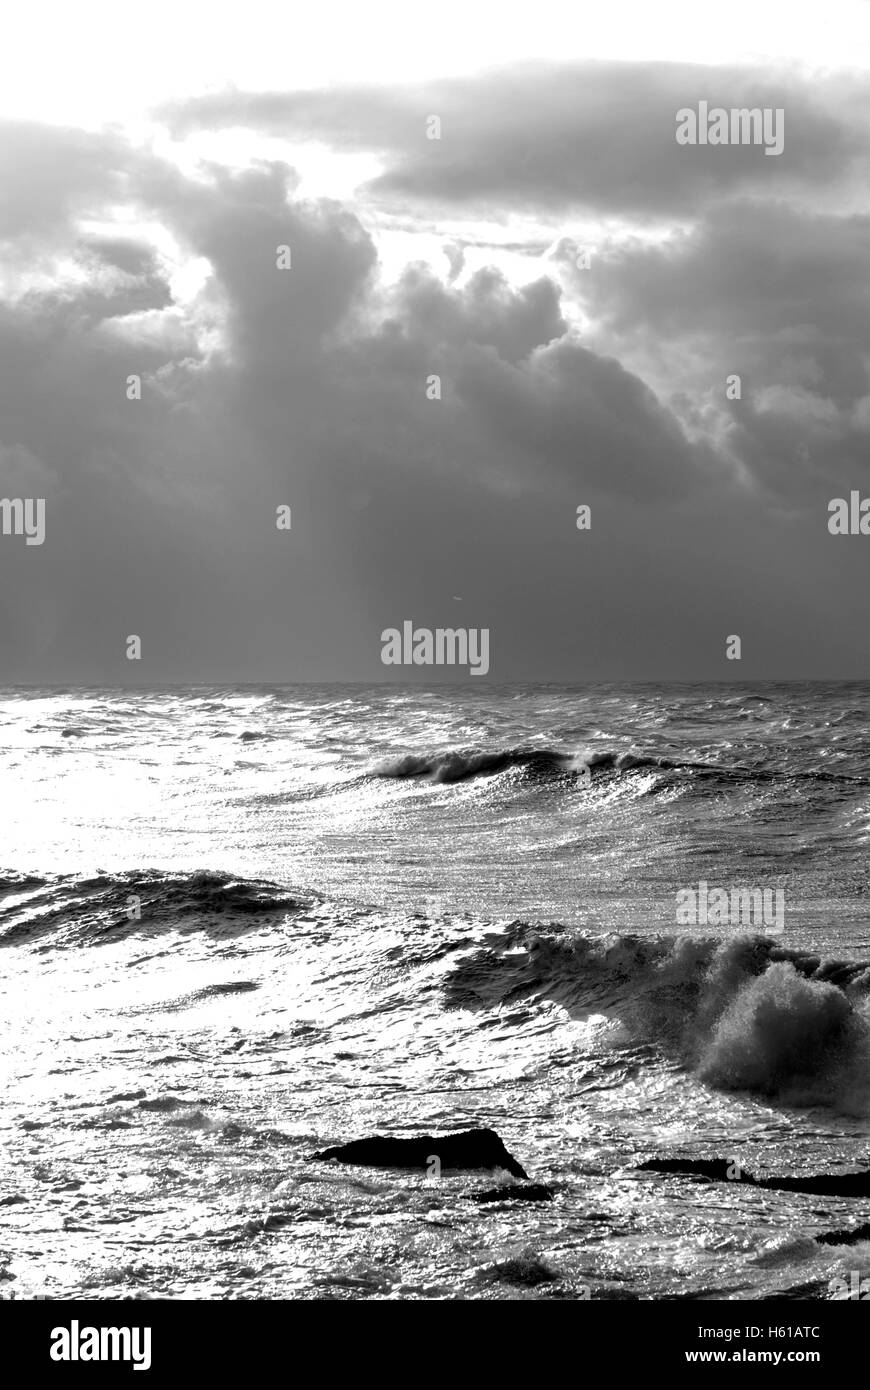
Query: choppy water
244,924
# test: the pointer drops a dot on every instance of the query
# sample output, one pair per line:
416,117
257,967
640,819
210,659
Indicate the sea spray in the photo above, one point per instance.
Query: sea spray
784,1035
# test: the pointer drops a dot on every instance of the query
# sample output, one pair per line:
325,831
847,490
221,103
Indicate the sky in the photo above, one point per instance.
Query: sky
584,287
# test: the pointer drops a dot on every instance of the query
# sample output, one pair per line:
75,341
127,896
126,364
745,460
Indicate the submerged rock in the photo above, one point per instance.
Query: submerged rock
714,1169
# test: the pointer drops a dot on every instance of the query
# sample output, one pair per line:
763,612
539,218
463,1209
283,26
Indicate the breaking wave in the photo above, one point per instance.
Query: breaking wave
460,764
455,765
745,1014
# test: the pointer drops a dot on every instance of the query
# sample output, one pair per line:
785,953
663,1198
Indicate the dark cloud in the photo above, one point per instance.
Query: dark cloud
774,294
307,388
548,138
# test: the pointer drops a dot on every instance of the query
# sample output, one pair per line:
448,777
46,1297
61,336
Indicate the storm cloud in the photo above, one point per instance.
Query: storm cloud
600,384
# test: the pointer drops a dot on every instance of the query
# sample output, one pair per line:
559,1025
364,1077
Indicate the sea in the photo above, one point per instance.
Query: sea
241,924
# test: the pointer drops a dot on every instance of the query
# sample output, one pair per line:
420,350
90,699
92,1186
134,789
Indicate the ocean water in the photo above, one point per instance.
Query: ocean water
243,924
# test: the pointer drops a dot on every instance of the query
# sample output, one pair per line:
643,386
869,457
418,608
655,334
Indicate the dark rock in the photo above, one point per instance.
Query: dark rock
717,1169
845,1237
472,1148
827,1184
525,1270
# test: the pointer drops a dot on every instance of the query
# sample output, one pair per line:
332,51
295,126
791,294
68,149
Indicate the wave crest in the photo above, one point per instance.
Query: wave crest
744,1014
80,911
